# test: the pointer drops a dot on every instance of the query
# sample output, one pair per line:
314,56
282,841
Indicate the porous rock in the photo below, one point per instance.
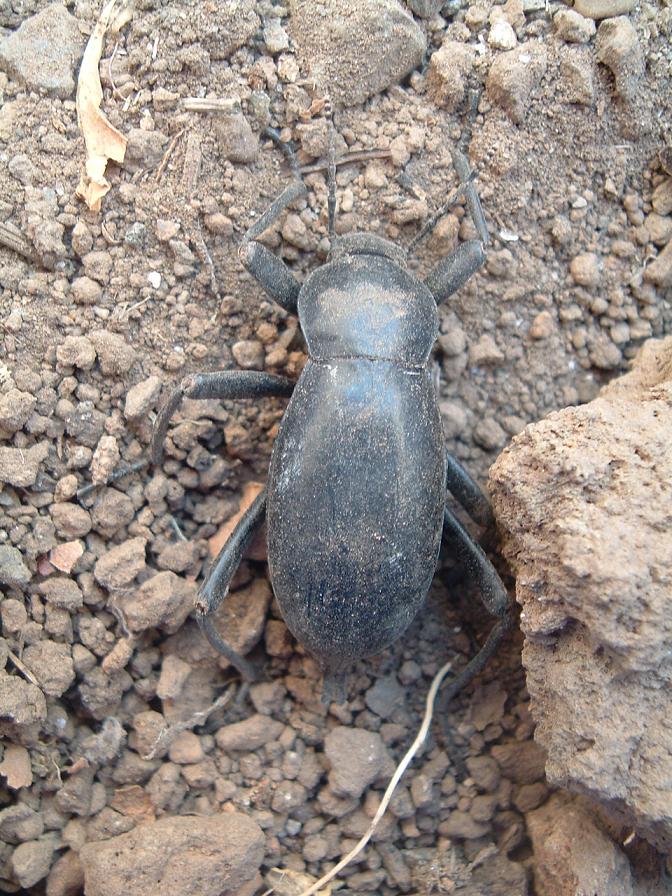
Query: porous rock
513,77
13,571
357,758
248,735
199,856
164,601
619,49
121,564
42,52
22,706
21,466
584,499
448,69
356,50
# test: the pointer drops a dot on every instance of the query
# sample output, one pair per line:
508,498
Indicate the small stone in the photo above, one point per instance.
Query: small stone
454,419
13,571
66,877
121,564
186,749
603,9
603,353
523,763
502,36
98,266
164,601
617,46
489,434
424,9
22,705
218,224
86,291
19,823
105,459
166,230
62,592
189,854
81,239
142,398
51,663
178,556
144,149
357,758
174,673
542,326
278,639
360,49
462,826
275,37
485,352
15,767
43,52
31,861
485,772
662,198
21,167
236,140
112,511
513,76
76,351
659,272
530,796
576,72
154,279
115,355
572,27
449,68
385,697
248,735
585,270
71,520
15,409
249,354
14,615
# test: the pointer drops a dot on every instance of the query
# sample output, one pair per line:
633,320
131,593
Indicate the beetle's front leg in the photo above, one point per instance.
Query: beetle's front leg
455,269
269,270
493,594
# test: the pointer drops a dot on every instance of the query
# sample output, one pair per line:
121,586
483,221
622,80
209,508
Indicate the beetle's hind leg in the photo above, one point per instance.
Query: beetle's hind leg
216,585
269,270
492,592
469,494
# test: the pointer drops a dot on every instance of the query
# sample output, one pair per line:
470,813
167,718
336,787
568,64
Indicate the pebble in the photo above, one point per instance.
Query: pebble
19,823
66,877
513,76
187,854
489,434
174,673
105,459
63,592
112,511
51,664
379,47
121,564
15,409
98,265
461,826
31,861
485,352
85,424
485,772
523,763
76,351
617,46
576,71
572,27
585,269
22,705
604,9
142,398
449,69
275,37
154,279
20,466
603,353
662,198
71,520
357,758
144,149
502,36
164,601
86,291
13,571
249,354
542,326
43,52
248,735
659,272
236,140
115,356
386,696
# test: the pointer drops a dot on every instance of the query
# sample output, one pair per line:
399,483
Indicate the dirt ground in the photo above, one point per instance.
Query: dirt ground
103,312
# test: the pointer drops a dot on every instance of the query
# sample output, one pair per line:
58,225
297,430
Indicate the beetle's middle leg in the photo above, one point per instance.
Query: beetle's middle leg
455,269
492,592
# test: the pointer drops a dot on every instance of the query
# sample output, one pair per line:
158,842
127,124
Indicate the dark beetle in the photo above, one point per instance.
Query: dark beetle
356,495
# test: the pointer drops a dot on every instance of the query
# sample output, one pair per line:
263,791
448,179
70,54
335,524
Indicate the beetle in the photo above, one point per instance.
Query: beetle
356,496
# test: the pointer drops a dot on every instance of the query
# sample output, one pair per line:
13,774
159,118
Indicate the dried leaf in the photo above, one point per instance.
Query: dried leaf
64,556
219,539
15,766
103,141
286,882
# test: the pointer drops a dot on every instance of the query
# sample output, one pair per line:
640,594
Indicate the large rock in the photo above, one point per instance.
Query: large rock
42,53
355,50
584,499
198,856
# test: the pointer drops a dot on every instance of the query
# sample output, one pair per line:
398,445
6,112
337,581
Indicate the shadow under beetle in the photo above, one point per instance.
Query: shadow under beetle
356,495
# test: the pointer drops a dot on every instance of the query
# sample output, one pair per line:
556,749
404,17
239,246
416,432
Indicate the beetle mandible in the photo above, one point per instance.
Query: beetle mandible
356,495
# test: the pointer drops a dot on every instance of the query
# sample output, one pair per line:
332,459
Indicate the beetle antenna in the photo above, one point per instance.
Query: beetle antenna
459,193
331,174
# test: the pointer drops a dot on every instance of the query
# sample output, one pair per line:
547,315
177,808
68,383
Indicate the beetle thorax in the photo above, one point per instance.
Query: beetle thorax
367,306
